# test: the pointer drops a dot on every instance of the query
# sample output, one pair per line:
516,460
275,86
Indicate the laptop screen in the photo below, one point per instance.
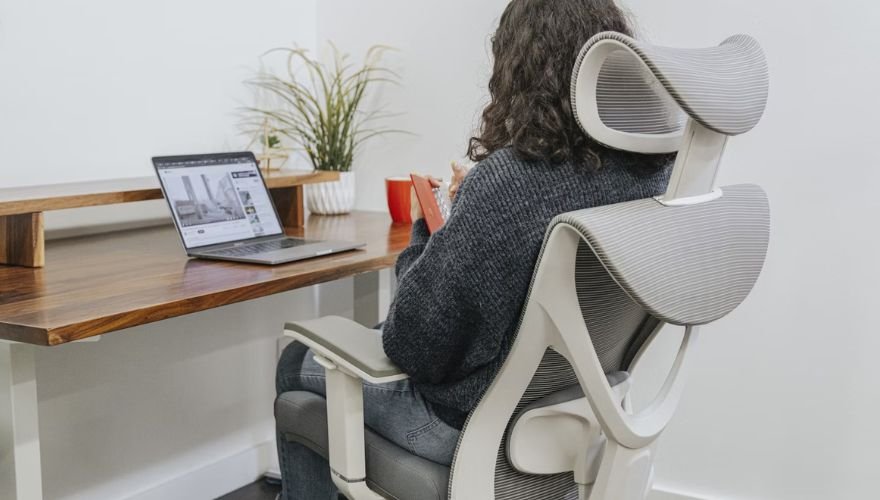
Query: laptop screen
217,199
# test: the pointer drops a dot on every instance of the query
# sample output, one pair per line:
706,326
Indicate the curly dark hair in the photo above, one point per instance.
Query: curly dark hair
535,49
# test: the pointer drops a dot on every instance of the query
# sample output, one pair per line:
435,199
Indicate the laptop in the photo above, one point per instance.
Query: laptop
223,211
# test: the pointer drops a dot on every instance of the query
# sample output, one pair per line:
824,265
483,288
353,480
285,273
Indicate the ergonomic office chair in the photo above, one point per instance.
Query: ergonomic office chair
557,421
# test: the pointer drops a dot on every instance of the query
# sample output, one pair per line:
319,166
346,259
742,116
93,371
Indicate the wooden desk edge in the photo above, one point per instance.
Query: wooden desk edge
79,331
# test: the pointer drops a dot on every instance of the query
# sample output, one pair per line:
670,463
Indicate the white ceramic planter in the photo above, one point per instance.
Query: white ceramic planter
332,198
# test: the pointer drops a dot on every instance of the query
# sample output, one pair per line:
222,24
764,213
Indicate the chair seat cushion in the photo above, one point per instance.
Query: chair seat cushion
394,472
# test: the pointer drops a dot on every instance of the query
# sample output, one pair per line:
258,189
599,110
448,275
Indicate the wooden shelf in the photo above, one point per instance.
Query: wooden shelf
21,209
101,284
34,199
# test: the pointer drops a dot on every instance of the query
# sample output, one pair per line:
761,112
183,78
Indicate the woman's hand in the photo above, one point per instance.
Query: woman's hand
415,207
459,172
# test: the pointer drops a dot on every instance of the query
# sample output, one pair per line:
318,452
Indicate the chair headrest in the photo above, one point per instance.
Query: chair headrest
637,97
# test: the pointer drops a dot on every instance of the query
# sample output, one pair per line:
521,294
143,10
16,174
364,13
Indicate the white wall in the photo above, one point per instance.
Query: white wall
783,403
91,90
443,58
95,88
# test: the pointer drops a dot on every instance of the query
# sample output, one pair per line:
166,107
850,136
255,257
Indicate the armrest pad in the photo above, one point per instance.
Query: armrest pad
356,348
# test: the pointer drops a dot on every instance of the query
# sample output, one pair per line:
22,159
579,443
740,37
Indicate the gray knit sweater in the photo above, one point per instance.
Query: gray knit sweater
462,290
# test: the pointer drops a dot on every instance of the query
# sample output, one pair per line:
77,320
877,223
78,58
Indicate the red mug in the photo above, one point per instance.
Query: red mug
399,190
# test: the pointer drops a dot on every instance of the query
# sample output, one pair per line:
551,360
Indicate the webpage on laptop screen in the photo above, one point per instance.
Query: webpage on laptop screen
218,202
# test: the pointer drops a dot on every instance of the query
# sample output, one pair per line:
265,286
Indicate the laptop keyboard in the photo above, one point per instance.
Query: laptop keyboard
269,246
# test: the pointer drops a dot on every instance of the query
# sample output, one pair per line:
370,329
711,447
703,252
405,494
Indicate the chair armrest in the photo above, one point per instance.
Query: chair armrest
355,349
351,354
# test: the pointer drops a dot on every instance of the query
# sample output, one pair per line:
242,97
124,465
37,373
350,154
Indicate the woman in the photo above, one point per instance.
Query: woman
461,291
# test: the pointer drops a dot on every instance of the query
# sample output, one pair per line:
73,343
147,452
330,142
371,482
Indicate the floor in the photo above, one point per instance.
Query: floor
260,490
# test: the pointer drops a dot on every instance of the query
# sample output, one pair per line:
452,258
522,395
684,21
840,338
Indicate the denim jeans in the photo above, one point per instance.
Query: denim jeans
395,411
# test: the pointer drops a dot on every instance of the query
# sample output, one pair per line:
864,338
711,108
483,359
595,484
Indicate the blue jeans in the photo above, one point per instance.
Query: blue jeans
396,411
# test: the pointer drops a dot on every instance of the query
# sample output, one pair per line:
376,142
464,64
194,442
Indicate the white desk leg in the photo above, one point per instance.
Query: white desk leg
388,289
392,283
21,475
366,299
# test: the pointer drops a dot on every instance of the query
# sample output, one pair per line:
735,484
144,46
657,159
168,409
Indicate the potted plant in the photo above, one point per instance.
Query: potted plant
265,142
320,110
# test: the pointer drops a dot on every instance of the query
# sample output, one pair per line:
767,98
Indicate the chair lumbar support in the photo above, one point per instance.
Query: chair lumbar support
551,435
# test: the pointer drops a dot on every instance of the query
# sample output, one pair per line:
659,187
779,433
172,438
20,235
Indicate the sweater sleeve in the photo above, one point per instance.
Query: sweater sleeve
417,242
452,294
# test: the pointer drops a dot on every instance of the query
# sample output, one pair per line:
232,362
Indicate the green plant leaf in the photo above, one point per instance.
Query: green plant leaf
320,105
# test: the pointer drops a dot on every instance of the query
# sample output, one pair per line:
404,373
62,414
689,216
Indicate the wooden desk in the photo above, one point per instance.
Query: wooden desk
101,284
21,209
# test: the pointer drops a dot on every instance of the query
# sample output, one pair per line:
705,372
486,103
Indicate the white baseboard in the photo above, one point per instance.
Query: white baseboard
216,479
239,470
660,493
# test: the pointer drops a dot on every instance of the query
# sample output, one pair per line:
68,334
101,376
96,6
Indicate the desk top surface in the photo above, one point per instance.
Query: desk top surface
94,285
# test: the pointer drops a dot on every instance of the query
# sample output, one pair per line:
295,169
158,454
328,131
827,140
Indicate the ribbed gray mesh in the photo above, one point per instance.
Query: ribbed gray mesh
630,99
612,318
553,375
723,88
687,265
614,322
642,263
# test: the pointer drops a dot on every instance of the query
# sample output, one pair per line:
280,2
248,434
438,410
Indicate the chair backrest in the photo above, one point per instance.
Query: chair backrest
609,278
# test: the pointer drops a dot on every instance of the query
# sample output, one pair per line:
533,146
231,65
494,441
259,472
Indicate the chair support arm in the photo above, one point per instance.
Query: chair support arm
345,427
350,354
